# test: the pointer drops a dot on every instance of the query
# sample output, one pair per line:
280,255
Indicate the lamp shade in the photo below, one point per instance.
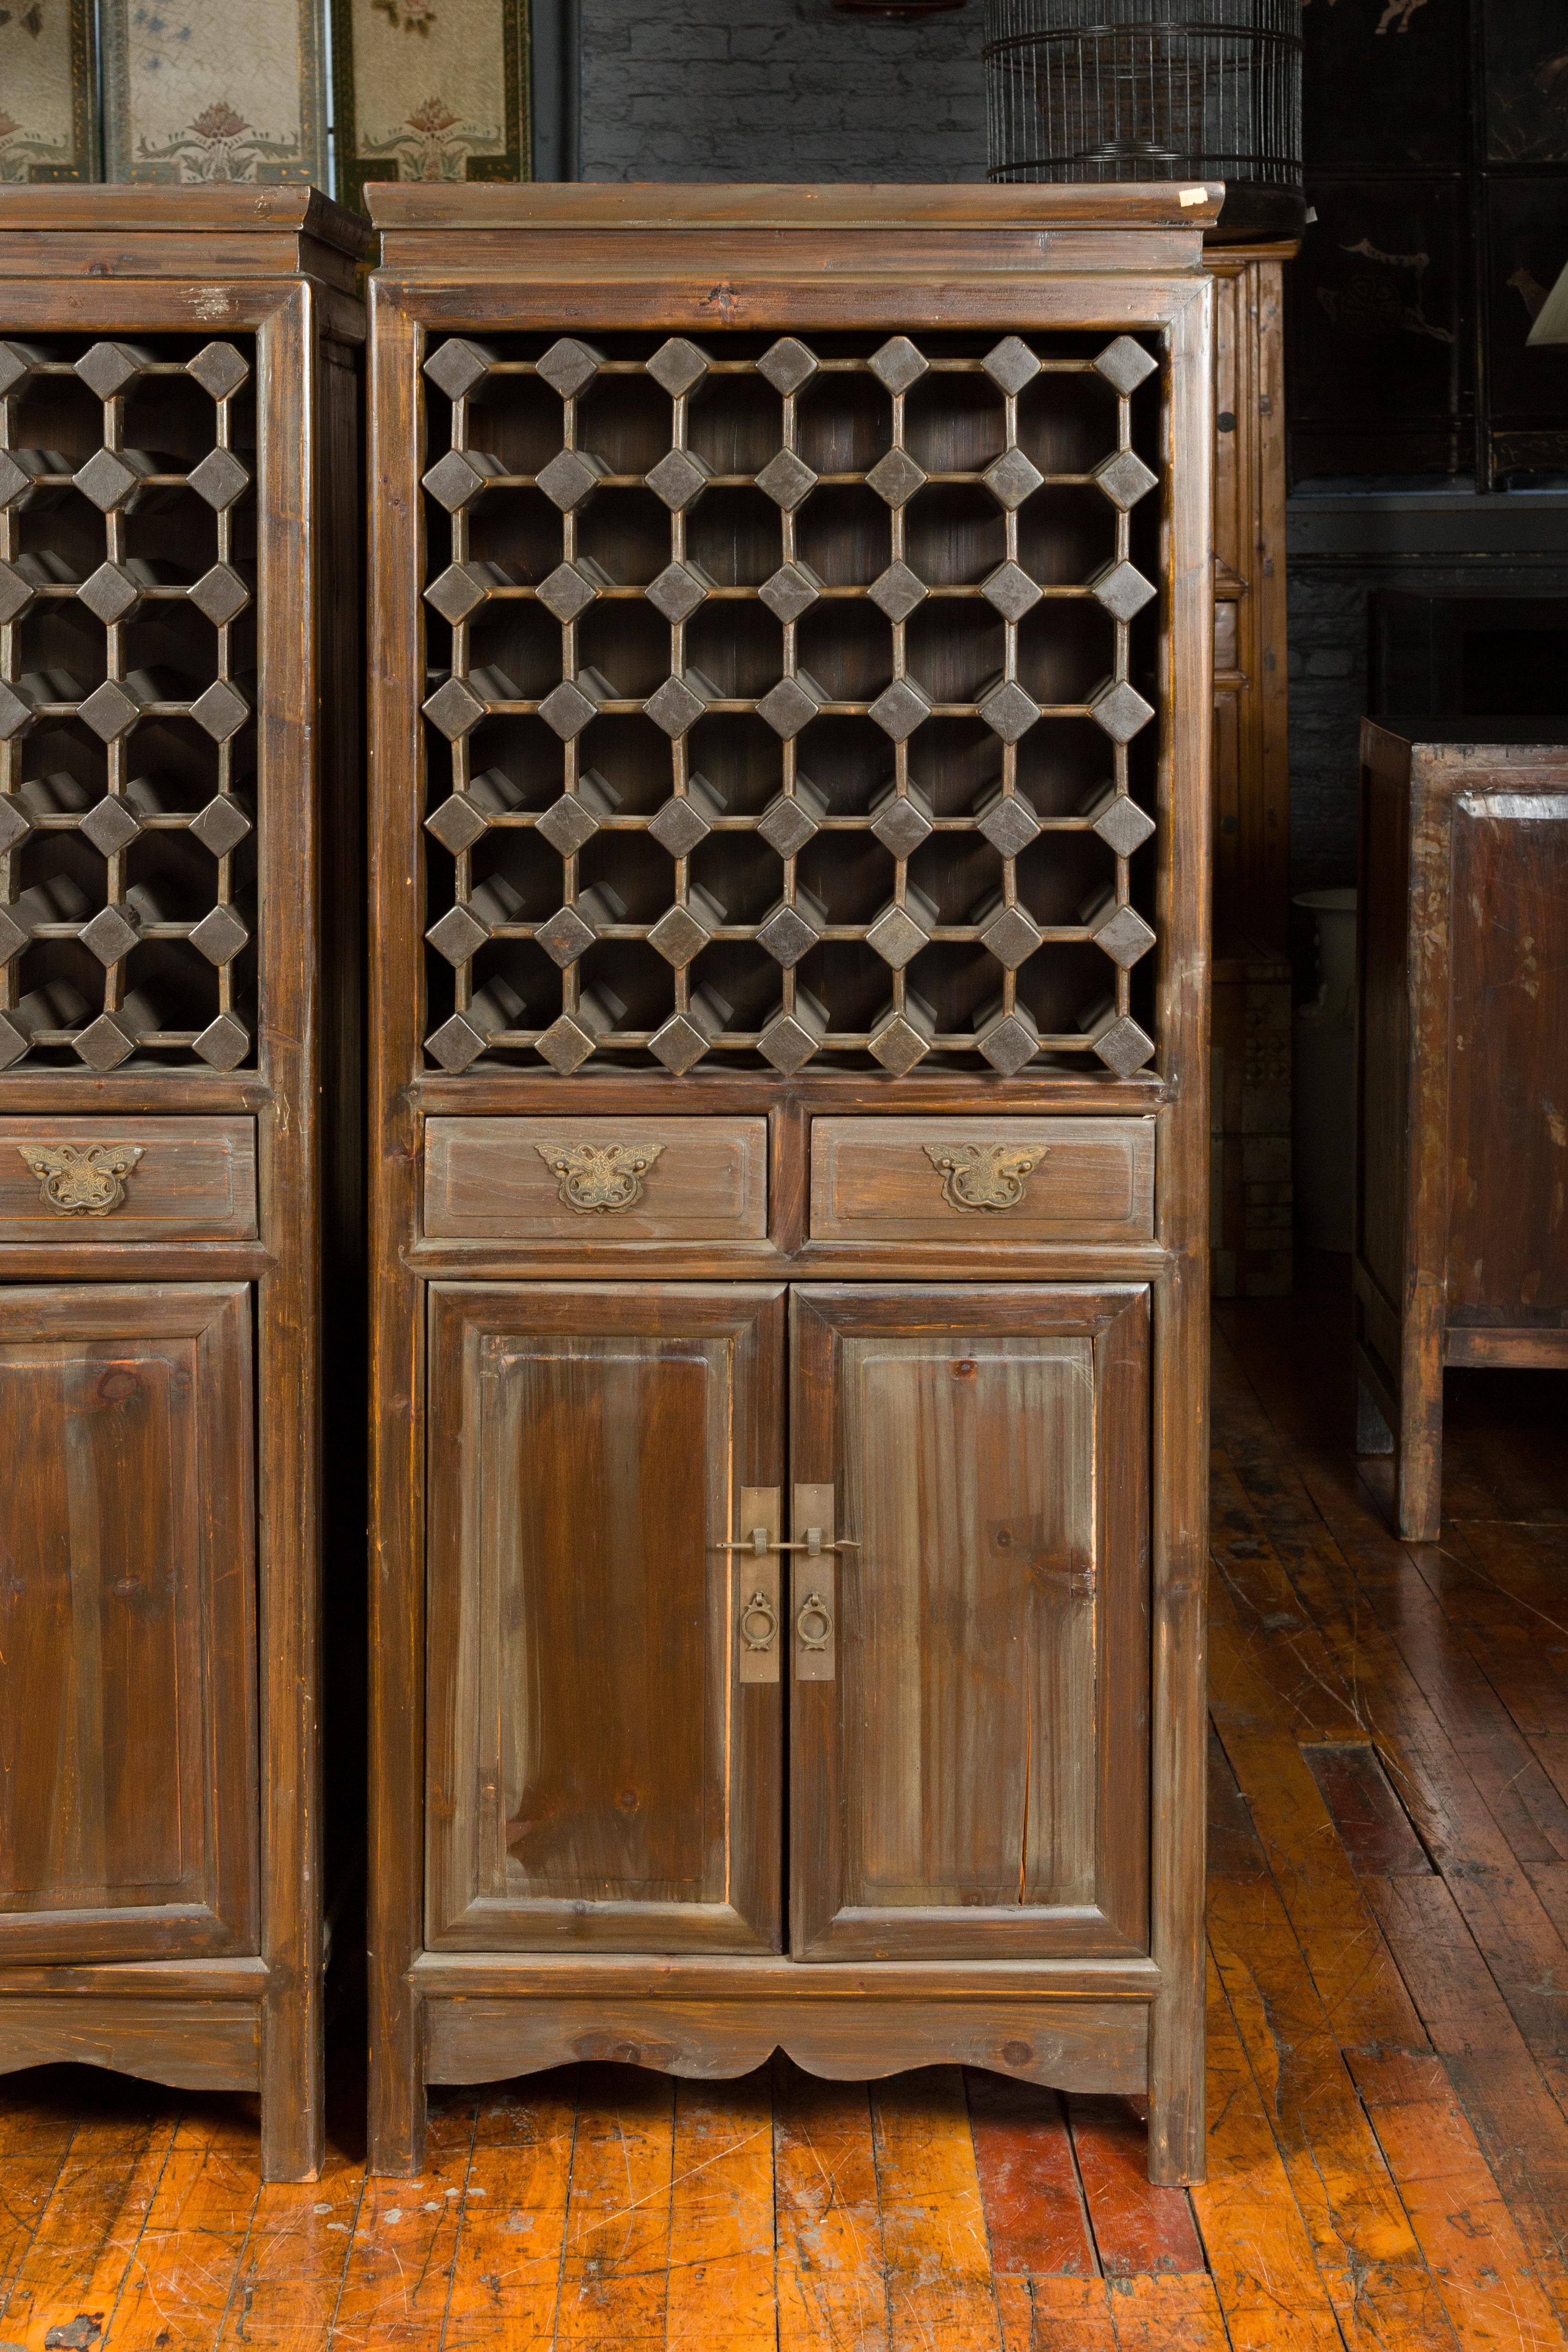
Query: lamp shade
1551,319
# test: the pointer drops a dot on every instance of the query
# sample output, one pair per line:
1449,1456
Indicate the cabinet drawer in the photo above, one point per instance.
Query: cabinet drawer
1045,1179
580,1179
127,1179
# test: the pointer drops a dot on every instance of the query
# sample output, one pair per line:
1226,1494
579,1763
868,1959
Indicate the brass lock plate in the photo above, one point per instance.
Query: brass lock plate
813,1638
756,1588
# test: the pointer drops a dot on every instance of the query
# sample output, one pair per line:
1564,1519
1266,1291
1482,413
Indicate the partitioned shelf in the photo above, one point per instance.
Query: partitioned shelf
128,630
791,698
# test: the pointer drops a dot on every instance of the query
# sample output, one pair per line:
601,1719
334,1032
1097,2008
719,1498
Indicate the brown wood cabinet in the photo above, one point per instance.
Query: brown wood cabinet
792,625
1252,1248
178,1031
1462,1253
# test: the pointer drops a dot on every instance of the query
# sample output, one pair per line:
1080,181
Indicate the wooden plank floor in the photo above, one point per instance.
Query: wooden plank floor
1388,2069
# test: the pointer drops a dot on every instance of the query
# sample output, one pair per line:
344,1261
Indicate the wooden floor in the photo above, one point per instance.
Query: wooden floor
1388,2056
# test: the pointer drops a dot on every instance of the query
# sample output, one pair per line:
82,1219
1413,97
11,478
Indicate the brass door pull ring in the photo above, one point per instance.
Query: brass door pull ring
758,1623
813,1623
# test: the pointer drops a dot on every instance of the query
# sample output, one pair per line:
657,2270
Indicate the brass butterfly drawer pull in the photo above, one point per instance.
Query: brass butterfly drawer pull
984,1175
597,1179
84,1180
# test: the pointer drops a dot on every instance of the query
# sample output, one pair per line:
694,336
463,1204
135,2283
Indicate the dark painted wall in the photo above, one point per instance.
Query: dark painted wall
779,89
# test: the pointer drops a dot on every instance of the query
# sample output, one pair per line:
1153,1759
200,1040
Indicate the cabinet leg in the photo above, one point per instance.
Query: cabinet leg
293,2091
1418,1473
1178,2149
1421,1481
397,2101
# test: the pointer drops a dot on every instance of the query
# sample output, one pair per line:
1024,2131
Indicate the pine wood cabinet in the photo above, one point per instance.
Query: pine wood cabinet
178,1010
792,630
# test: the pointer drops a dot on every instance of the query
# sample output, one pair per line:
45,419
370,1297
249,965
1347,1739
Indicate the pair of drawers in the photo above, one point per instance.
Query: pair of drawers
870,1180
127,1179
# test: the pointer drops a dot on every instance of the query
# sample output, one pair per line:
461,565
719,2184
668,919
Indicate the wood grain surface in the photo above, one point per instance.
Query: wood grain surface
195,1180
586,1448
880,1180
974,1784
127,1710
493,1179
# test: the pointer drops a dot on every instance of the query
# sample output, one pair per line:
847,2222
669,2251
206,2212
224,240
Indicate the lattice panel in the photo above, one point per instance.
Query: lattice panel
127,710
796,701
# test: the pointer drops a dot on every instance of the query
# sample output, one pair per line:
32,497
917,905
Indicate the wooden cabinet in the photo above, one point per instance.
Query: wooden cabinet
791,864
1252,1253
1461,1255
179,919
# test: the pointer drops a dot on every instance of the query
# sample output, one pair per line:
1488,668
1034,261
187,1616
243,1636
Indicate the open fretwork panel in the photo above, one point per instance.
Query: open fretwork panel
791,696
791,625
126,700
178,1077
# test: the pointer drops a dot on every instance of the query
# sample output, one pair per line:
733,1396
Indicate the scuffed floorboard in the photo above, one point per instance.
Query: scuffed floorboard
1388,2031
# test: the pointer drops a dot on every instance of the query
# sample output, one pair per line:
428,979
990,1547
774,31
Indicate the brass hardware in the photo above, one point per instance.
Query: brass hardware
814,1622
758,1543
984,1175
761,1515
814,1595
597,1179
758,1623
81,1180
812,1603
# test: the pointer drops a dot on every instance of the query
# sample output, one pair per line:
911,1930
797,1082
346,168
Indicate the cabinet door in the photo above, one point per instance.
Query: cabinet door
126,1623
599,1778
972,1782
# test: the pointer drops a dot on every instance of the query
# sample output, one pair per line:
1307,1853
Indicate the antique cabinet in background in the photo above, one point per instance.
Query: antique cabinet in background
1251,1200
179,812
791,626
1462,1253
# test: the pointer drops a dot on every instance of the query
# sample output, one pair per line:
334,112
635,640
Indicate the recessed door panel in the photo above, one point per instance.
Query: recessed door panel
600,1775
973,1779
127,1612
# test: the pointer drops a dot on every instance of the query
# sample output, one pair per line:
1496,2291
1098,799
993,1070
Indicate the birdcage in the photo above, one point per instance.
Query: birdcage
1152,89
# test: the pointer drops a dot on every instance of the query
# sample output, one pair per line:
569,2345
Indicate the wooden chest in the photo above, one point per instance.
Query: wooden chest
1462,1246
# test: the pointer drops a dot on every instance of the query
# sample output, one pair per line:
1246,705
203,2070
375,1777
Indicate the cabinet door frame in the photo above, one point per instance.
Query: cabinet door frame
747,1320
1115,1319
214,1909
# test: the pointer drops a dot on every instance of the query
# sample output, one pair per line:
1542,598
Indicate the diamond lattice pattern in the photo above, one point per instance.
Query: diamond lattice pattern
790,698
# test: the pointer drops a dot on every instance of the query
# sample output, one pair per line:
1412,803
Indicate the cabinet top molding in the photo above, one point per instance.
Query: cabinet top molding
126,231
406,212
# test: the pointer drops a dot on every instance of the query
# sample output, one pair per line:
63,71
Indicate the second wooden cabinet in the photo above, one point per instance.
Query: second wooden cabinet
966,1773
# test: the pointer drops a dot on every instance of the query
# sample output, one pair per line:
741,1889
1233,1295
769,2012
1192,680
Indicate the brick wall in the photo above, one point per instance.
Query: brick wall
779,89
1328,636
